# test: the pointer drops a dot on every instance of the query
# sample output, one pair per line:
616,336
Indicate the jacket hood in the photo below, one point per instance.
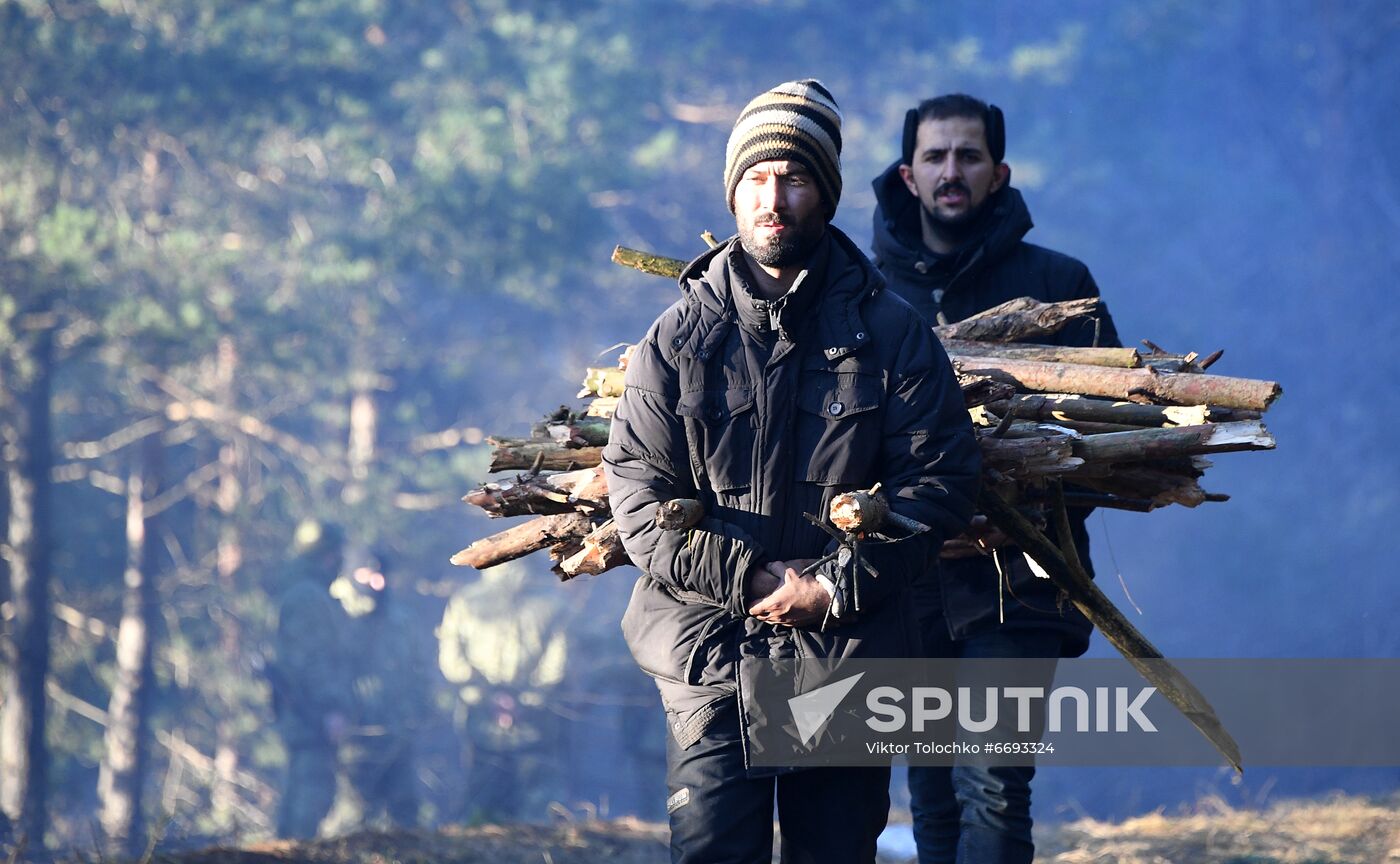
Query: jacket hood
898,234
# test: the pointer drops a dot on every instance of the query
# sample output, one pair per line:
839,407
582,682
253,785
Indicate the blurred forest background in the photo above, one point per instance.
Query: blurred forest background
270,261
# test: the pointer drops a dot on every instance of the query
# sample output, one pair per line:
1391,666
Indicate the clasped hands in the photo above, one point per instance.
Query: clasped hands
776,594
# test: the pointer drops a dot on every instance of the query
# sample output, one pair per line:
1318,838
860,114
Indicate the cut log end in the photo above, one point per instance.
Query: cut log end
854,512
679,514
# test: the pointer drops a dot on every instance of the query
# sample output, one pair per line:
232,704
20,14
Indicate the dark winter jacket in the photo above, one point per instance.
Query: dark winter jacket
834,388
995,265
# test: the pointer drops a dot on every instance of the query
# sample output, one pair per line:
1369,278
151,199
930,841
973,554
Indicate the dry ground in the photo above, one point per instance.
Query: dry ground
1331,831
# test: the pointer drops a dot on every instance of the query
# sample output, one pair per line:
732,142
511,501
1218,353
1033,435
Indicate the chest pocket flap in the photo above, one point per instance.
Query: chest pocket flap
838,427
726,418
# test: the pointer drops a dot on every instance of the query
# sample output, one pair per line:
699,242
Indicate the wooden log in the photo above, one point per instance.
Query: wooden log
1062,407
983,389
1144,444
1041,455
1157,486
855,512
601,551
603,407
656,265
584,491
602,381
525,454
1125,358
679,514
520,540
581,432
1112,502
1126,384
1019,320
1064,568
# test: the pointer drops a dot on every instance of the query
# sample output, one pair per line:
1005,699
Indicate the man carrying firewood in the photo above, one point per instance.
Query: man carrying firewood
785,375
948,238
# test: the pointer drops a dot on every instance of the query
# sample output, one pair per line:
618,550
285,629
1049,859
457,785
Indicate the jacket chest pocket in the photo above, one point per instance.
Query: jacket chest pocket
838,426
726,421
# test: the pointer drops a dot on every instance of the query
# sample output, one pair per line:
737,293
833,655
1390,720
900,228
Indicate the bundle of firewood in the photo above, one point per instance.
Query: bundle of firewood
1122,427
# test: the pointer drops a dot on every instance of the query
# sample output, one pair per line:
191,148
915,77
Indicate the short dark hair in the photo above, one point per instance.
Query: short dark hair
957,105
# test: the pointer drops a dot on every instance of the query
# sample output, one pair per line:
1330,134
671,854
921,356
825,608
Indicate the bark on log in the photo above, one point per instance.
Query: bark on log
1177,441
1124,358
983,389
580,433
858,511
1172,388
1159,487
1042,455
584,491
1019,320
524,454
679,514
520,540
1061,407
656,265
602,551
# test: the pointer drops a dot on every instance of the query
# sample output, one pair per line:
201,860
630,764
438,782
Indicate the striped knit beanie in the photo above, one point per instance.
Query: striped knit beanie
798,120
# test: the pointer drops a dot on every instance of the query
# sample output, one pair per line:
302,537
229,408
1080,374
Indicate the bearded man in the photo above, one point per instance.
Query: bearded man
948,238
785,375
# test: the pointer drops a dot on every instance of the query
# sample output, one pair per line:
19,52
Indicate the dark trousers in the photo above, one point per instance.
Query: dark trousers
719,815
980,814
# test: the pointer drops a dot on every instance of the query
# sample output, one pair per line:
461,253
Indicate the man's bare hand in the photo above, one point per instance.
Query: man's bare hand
980,538
760,583
799,601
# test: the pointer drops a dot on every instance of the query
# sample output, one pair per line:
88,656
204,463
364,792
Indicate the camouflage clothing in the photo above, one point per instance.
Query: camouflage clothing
311,697
390,689
503,642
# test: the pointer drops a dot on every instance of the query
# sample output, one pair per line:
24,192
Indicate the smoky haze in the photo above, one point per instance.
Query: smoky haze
417,209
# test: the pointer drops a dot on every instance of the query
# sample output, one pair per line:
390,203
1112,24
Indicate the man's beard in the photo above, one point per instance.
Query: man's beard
785,249
958,227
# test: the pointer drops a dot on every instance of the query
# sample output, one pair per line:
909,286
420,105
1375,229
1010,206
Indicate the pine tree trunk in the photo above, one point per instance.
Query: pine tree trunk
126,743
223,796
25,422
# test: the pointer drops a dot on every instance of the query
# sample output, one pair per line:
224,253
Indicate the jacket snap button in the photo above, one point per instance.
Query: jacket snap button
860,336
704,355
831,351
836,409
921,266
677,342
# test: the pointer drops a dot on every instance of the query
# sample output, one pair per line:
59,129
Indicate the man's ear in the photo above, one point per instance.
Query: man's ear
1001,177
906,173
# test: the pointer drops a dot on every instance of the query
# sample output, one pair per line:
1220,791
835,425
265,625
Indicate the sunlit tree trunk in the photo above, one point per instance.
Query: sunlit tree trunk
228,563
364,422
126,744
25,426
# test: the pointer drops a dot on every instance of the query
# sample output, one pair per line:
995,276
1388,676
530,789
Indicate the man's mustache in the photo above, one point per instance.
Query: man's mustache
772,220
952,186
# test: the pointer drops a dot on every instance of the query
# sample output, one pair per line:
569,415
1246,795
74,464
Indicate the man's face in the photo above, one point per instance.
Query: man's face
778,208
953,173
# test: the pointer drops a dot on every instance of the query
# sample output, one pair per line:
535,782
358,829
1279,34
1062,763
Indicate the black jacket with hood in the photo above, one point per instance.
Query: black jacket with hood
766,414
995,265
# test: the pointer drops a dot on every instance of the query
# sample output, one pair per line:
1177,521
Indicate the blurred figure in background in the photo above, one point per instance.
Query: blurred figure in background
503,642
310,680
389,657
